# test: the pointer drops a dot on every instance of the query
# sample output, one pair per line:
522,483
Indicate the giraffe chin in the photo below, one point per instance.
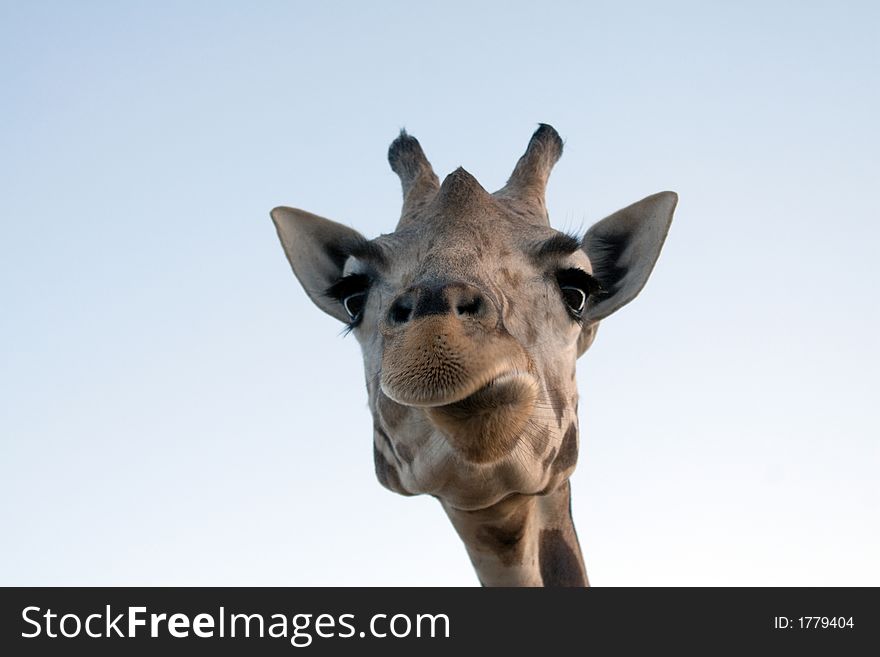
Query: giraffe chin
486,425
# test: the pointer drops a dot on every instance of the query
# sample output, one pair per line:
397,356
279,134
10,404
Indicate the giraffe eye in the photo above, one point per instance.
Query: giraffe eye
351,291
354,304
576,287
575,298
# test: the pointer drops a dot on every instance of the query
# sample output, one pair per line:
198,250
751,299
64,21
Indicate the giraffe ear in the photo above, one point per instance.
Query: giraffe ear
317,249
623,249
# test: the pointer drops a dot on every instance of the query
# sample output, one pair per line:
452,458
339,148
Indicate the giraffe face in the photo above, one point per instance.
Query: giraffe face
471,317
470,335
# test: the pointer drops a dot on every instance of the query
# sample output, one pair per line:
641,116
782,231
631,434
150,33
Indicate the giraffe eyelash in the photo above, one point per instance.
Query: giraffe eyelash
581,281
348,285
347,288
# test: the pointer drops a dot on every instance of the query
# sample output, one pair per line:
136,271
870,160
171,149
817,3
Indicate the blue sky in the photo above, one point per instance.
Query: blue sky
175,411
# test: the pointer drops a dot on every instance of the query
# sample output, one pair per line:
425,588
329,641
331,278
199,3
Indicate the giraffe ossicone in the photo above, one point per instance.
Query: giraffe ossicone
471,316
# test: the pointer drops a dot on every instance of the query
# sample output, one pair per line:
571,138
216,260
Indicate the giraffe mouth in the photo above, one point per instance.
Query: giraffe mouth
439,362
486,425
476,387
477,393
508,389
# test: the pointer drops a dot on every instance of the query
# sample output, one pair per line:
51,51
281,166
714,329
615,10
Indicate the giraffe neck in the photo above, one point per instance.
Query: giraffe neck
524,540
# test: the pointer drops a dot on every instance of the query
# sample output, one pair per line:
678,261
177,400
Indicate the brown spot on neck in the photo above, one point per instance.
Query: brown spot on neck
558,562
505,539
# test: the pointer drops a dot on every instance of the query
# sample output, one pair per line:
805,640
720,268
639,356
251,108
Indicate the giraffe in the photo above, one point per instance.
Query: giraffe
470,317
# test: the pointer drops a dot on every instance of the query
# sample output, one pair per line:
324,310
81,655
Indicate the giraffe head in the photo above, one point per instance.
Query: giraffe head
471,316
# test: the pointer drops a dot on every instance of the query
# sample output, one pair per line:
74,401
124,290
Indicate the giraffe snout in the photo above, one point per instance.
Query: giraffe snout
442,343
460,300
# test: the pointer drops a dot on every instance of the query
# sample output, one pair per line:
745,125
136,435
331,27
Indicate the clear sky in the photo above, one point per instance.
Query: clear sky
173,410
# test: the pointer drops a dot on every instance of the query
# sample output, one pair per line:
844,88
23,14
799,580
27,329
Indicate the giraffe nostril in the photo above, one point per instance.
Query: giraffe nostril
471,306
401,311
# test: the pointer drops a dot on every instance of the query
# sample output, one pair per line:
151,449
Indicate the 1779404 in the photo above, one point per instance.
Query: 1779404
813,622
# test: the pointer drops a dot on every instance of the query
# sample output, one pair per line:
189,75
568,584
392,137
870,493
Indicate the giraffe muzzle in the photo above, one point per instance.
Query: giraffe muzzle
439,360
475,385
